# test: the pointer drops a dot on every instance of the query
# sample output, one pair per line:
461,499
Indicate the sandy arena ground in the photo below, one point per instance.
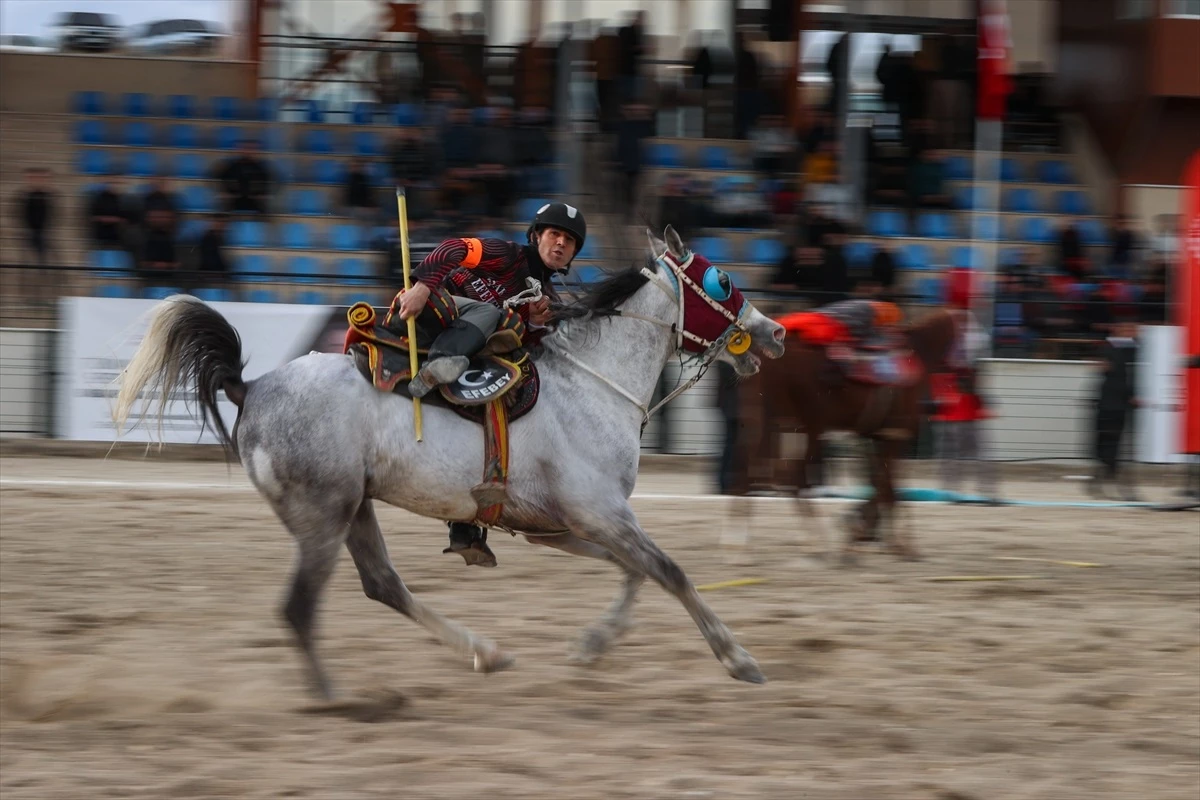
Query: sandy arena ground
143,656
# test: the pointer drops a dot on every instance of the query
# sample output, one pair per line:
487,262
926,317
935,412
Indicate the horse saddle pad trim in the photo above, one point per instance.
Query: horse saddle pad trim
898,368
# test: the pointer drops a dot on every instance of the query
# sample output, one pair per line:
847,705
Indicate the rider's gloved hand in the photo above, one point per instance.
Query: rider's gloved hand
539,311
413,300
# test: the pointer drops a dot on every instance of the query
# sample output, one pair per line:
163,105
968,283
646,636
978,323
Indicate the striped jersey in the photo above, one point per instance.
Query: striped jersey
489,270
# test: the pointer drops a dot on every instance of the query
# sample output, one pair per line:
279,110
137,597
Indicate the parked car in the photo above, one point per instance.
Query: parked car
87,31
175,36
18,43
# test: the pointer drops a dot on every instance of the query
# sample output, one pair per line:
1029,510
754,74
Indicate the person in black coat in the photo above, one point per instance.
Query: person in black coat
1116,397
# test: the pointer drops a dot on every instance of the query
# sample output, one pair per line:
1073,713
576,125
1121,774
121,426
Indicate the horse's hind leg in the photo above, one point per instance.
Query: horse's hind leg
381,582
319,533
599,636
620,533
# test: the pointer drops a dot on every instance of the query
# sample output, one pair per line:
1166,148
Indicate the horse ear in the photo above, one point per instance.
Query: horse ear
657,245
675,244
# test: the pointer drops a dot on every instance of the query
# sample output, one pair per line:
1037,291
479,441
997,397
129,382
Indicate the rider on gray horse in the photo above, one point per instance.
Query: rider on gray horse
480,274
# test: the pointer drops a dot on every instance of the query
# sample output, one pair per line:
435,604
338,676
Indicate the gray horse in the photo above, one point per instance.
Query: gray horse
320,443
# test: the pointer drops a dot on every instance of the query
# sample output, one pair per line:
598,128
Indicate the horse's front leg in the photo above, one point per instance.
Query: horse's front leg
618,531
600,635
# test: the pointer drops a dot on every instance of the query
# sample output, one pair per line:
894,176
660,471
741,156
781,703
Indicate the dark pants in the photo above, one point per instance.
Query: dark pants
1110,427
467,335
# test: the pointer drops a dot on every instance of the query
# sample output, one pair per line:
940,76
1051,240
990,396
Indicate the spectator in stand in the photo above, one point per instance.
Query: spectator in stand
836,283
159,262
359,199
1154,293
1125,244
416,165
799,269
822,165
773,146
1071,260
161,202
35,212
1116,398
110,215
927,183
742,206
748,85
461,144
677,209
246,181
882,282
636,125
497,169
211,264
535,150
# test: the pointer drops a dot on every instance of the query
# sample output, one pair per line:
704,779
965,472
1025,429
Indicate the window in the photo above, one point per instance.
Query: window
1183,8
1134,9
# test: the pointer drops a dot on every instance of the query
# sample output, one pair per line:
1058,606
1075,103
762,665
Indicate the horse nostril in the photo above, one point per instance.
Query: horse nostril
779,332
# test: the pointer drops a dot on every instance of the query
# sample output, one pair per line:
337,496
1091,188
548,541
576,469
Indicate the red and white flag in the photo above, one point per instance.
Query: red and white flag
1189,308
995,53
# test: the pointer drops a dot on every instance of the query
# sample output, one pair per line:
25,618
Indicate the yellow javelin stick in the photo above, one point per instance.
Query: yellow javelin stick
402,210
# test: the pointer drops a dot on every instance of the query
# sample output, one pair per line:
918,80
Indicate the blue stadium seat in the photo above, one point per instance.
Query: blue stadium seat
95,162
137,134
1010,171
1035,229
113,291
1072,201
406,115
966,258
664,154
588,274
262,296
324,170
159,292
766,251
968,197
312,298
181,106
885,223
141,164
929,289
346,237
379,173
933,225
859,253
590,247
958,168
1009,256
196,199
270,140
1053,170
247,233
296,236
304,268
225,108
182,135
262,109
229,137
309,202
91,103
189,165
246,266
354,271
1020,200
135,104
90,131
111,263
481,115
363,114
1092,232
527,208
316,141
985,226
715,156
211,295
914,257
314,110
715,249
367,143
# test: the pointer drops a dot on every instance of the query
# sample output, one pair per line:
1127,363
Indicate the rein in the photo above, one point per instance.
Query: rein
712,348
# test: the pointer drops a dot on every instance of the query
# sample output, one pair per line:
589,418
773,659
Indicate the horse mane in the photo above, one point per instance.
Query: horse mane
601,298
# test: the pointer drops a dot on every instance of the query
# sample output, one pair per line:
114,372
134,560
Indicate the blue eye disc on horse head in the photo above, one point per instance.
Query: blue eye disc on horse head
717,284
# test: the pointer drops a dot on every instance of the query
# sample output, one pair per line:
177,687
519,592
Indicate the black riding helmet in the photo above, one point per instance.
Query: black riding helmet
563,217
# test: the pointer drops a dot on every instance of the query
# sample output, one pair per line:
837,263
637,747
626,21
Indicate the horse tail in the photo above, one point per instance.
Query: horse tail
188,342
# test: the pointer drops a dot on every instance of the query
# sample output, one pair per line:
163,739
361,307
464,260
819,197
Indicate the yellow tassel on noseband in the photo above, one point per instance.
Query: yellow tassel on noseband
738,343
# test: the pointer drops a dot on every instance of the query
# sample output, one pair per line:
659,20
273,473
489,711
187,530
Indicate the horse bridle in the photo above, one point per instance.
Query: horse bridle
736,337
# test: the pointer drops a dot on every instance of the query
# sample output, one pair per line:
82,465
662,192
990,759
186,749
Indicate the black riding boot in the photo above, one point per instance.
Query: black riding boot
470,542
448,356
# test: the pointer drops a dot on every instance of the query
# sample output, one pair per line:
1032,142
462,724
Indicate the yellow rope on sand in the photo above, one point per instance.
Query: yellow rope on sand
708,587
1081,564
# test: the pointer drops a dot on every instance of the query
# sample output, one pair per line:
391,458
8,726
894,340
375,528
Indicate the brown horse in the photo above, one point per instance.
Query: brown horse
805,391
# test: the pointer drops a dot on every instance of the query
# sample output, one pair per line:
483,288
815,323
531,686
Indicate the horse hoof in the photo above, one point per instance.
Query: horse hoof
745,668
493,661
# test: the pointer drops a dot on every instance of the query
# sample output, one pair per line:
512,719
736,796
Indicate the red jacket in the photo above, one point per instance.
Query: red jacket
953,404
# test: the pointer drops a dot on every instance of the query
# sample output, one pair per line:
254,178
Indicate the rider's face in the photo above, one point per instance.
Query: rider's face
556,247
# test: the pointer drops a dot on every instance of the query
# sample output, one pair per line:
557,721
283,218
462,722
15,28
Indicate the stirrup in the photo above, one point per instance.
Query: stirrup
475,553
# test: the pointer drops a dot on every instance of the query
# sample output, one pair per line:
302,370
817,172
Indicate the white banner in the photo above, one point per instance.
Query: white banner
1160,388
100,335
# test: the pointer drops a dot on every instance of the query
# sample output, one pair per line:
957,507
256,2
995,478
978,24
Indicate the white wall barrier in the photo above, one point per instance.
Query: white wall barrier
1043,409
